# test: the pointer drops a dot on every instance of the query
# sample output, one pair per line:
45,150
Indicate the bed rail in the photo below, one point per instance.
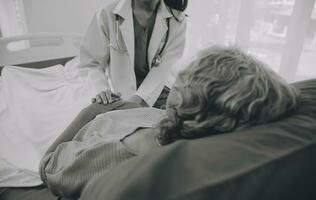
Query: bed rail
38,47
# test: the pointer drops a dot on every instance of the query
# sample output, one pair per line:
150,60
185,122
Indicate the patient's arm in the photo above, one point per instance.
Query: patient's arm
86,115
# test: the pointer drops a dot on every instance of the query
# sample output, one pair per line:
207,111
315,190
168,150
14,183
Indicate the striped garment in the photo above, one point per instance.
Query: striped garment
95,148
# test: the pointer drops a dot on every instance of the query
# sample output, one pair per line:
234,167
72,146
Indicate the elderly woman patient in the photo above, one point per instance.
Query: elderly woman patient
222,90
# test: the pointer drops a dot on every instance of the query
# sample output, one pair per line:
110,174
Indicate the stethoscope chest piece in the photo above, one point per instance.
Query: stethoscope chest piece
156,61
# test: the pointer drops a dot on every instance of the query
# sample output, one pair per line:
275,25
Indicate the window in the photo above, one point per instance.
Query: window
280,32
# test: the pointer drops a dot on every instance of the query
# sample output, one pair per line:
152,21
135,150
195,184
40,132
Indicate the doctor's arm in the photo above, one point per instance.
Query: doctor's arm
155,81
94,53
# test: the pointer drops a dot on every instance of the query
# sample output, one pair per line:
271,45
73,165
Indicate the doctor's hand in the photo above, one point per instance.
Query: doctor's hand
138,100
106,97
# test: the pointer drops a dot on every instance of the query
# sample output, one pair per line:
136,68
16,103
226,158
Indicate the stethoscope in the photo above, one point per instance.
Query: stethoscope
157,58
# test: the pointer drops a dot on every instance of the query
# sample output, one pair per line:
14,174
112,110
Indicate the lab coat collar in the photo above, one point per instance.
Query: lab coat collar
123,9
163,11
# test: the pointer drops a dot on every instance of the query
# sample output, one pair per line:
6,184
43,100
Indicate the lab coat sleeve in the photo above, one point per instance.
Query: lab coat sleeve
94,53
155,81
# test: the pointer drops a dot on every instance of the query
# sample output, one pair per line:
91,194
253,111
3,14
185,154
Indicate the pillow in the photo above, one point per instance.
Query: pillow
271,161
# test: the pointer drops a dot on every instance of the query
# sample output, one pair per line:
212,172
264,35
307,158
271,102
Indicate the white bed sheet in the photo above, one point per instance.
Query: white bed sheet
35,106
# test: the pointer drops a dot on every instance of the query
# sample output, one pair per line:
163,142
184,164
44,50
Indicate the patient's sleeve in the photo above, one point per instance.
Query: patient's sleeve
85,116
94,149
68,169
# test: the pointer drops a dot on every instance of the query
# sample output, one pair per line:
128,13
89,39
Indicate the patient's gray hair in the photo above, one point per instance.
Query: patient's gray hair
225,89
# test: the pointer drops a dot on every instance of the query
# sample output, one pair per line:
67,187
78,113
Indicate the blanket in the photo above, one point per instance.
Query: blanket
35,106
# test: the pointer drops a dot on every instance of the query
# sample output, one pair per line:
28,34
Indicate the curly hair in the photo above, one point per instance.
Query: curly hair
224,89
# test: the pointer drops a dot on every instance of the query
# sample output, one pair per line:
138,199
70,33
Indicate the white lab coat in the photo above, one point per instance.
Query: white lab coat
109,68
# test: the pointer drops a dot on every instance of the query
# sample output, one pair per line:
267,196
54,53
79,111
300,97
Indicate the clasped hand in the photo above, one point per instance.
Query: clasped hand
107,97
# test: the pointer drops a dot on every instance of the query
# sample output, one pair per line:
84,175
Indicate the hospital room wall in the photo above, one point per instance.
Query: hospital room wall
59,15
19,16
12,17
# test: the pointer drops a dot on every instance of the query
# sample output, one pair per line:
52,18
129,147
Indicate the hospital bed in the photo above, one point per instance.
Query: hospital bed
38,50
36,82
272,161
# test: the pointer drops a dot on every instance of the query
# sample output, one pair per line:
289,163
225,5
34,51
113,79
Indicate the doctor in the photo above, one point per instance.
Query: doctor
130,47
